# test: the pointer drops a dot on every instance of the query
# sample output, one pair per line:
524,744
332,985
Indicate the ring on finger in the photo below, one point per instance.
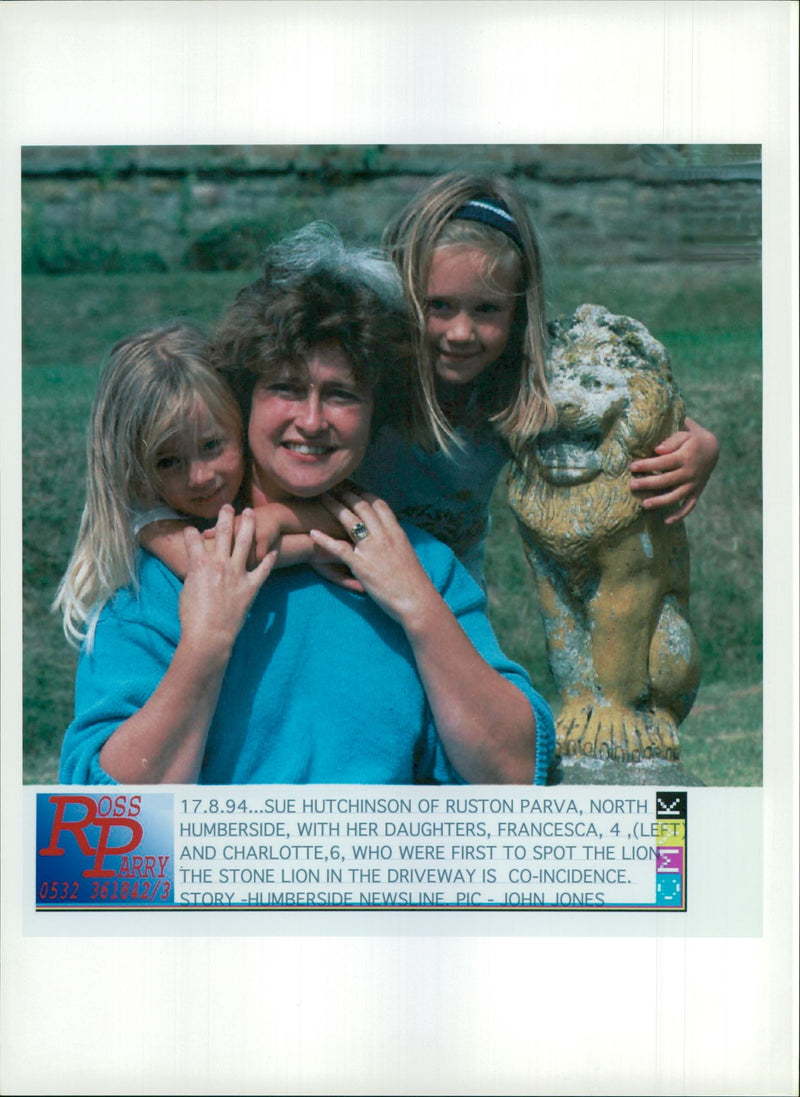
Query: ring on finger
359,531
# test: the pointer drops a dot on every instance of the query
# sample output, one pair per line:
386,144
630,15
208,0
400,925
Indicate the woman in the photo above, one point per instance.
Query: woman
275,676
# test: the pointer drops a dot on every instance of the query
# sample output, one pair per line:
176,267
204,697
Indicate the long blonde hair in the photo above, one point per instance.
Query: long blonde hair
147,393
513,397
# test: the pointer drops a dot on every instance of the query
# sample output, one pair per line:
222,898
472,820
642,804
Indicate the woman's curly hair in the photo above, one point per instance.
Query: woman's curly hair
315,290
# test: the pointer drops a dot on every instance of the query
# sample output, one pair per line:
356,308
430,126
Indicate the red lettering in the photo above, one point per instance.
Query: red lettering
103,847
77,828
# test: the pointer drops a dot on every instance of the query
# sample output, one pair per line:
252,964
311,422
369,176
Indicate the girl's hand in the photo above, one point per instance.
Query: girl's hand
381,558
679,473
219,590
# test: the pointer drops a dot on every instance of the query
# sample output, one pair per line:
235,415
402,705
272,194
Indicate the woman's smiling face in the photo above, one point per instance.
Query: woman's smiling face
308,428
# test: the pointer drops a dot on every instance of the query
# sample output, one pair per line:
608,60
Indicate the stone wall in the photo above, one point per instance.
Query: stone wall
163,207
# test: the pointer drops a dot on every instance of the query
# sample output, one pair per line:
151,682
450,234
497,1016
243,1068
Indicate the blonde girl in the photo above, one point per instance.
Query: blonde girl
471,269
165,442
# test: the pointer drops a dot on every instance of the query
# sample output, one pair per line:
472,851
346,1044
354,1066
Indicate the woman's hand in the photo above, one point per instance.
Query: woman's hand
380,556
219,590
679,473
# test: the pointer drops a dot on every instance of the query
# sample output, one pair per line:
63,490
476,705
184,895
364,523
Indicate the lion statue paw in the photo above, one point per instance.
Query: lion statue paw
616,733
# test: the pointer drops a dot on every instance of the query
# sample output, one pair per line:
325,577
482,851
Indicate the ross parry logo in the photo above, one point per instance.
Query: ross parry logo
104,849
119,814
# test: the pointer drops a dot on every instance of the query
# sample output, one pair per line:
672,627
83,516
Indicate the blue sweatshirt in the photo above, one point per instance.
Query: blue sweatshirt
321,687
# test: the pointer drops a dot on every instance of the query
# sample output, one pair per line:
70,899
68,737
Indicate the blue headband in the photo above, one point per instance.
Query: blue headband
492,212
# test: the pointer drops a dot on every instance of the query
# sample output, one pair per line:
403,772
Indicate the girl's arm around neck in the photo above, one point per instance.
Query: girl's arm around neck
164,540
283,526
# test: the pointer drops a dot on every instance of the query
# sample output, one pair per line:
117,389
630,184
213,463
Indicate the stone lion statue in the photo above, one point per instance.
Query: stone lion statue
613,579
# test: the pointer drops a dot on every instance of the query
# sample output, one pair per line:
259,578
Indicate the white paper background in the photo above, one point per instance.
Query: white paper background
419,1011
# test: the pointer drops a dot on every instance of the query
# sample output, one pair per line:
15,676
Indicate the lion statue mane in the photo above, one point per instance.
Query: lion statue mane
612,578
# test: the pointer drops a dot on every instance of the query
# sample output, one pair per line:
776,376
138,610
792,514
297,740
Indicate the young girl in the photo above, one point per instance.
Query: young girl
165,445
165,440
470,265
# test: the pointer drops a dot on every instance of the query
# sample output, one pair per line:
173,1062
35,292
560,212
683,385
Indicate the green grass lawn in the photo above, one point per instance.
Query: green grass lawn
709,318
